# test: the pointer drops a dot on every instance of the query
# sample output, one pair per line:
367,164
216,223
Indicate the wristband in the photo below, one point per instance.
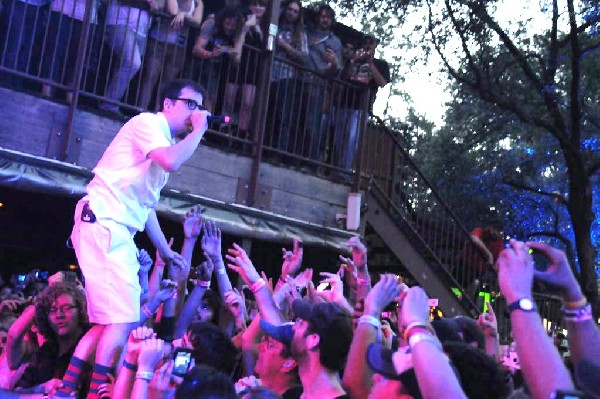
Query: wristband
221,271
576,304
257,285
144,375
416,324
367,319
204,284
146,311
423,337
578,315
129,366
363,281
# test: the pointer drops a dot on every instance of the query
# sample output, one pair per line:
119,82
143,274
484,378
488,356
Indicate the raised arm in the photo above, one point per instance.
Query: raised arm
243,265
160,242
357,375
540,361
15,343
172,157
211,245
583,334
432,367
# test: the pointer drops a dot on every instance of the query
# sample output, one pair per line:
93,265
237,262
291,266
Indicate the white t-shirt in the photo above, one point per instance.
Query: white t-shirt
127,183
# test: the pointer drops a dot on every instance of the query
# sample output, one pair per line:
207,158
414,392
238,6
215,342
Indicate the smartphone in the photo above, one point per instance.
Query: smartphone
21,278
541,262
433,302
322,287
182,358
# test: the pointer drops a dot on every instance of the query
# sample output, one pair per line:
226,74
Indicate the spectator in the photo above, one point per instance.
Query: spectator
539,359
215,45
204,382
61,318
126,30
65,28
246,51
291,48
25,22
324,58
166,46
369,74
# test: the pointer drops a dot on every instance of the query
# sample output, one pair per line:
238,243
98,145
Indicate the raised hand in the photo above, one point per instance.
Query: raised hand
168,289
178,267
515,271
151,352
559,273
337,287
192,222
415,306
211,240
292,260
382,294
487,322
105,390
145,261
358,250
236,304
206,270
241,264
136,336
348,267
160,385
302,279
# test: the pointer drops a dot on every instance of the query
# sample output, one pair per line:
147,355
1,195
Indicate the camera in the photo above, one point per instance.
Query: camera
541,262
182,358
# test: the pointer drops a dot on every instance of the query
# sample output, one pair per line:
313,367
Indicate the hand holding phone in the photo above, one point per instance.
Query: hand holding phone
182,358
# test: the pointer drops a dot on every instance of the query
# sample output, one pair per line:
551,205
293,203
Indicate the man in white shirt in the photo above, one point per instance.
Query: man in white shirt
120,201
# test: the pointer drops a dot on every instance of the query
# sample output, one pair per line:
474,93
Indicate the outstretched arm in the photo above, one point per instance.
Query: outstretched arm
540,361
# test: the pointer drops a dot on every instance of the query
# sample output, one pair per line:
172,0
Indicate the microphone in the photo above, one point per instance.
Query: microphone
218,118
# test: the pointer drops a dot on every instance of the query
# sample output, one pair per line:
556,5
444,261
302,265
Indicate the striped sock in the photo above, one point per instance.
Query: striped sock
99,377
77,367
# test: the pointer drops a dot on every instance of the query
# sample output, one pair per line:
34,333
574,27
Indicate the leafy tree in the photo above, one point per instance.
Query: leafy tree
538,92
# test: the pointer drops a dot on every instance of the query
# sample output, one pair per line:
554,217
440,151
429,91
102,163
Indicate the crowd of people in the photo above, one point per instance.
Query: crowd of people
319,91
282,337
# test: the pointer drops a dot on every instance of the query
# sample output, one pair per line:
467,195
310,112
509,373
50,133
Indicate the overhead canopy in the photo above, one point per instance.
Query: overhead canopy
32,173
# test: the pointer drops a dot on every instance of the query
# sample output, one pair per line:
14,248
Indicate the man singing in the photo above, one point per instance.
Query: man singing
120,201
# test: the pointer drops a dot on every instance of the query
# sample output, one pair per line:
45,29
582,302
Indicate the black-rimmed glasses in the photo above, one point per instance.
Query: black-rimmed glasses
192,104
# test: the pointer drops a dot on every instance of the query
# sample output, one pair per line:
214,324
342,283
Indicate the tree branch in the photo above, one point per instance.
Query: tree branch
516,184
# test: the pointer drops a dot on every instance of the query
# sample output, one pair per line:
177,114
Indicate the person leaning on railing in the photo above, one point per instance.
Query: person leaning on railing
65,27
167,44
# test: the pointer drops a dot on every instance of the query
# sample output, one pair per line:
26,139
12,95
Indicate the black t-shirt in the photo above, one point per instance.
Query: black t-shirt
45,365
361,74
293,393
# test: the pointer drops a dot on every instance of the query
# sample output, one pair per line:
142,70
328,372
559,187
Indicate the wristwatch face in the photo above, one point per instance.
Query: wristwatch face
524,304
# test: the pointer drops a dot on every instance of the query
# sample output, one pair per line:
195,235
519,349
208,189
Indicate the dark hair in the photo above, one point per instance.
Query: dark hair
327,8
470,330
46,298
226,13
369,39
298,25
204,382
213,300
172,89
261,392
212,347
480,376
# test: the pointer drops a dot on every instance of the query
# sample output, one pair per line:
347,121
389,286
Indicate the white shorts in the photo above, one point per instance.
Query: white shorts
107,257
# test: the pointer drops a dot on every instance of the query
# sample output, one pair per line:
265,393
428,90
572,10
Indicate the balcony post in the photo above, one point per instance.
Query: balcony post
262,98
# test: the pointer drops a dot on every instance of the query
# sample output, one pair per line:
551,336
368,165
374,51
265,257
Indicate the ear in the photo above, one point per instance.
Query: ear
312,341
288,365
167,103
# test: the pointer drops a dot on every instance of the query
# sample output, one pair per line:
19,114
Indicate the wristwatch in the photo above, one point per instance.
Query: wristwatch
524,304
